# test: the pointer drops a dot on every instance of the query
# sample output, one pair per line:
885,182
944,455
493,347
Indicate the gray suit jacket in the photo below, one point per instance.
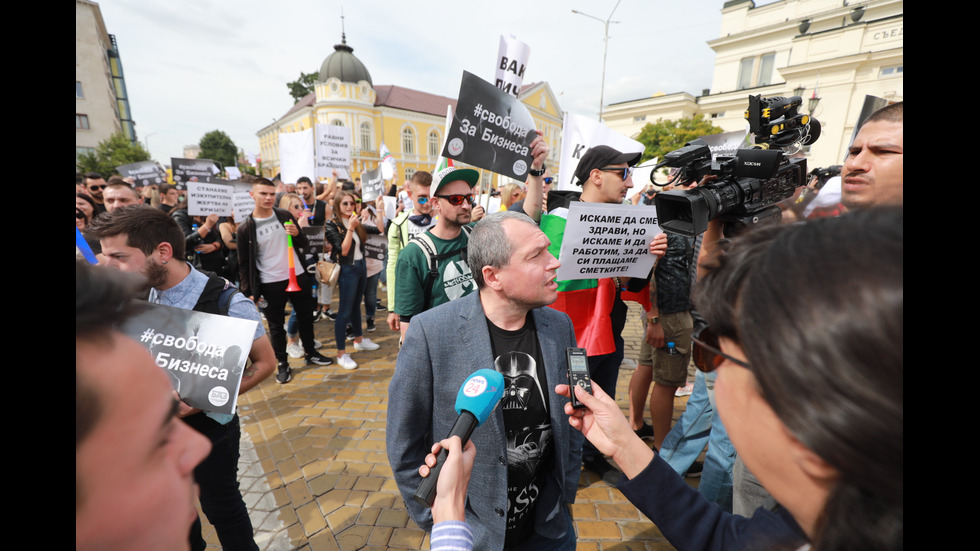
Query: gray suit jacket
442,348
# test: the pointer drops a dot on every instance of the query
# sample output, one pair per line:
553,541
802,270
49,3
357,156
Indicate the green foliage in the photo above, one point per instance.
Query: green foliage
303,85
662,137
116,150
217,146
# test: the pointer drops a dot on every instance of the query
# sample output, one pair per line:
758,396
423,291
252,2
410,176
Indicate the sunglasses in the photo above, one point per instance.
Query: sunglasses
548,180
457,200
347,204
707,354
624,172
97,187
422,200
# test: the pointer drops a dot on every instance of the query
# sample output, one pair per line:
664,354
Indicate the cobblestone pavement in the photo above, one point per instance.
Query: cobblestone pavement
315,475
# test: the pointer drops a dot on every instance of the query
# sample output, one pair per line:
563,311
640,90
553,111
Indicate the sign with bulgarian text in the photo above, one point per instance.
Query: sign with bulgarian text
372,185
193,170
145,173
332,151
607,240
204,354
491,129
205,199
512,56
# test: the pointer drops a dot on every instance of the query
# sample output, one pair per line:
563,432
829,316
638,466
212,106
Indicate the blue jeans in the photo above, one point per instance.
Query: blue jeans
371,295
604,371
351,283
217,477
700,425
536,542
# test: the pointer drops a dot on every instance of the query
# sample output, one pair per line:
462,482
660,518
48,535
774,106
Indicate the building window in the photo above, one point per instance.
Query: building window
79,151
337,122
745,73
765,69
640,118
366,141
408,141
78,90
434,144
717,115
81,122
409,172
487,177
890,71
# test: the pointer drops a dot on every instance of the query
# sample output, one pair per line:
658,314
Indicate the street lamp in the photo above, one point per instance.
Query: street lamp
605,49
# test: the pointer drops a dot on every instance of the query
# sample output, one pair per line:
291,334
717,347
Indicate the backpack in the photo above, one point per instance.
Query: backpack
424,241
216,296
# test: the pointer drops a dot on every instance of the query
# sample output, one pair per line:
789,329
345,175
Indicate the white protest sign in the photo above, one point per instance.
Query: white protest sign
204,199
605,240
391,205
296,155
233,172
512,56
578,135
242,204
332,151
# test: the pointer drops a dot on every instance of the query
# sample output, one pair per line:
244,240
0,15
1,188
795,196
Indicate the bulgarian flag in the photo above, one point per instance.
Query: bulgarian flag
587,301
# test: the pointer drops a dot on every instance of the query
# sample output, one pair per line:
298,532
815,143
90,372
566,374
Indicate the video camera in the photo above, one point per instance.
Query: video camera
749,184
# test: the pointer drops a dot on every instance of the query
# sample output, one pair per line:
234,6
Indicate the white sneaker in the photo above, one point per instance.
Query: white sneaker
366,344
346,362
294,350
316,345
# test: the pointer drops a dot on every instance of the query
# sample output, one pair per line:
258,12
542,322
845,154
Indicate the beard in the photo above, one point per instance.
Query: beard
155,274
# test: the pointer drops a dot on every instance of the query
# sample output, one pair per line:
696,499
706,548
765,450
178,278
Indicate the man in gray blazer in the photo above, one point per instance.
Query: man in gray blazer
525,471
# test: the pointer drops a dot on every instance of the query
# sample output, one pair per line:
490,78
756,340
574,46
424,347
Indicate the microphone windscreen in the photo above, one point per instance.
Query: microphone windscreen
480,393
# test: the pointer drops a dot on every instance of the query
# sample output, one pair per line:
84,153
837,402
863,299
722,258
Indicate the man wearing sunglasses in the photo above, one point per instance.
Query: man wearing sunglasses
548,179
94,185
405,226
605,175
431,269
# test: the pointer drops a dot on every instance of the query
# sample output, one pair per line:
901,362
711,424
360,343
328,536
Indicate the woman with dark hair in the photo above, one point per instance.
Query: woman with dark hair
808,321
347,237
84,210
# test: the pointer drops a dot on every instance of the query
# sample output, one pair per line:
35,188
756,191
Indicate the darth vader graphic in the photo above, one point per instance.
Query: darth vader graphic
523,403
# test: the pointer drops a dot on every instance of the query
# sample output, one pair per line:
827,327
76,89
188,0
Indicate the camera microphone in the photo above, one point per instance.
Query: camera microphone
476,400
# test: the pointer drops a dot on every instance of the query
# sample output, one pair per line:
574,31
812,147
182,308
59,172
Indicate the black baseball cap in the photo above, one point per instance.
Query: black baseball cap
602,156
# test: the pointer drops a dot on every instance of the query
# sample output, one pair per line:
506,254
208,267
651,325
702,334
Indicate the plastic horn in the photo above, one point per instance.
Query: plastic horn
293,284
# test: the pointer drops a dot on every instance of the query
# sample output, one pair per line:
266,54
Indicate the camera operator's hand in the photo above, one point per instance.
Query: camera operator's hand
603,423
658,245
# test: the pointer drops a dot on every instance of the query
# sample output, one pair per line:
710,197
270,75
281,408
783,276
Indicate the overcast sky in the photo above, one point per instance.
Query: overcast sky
193,66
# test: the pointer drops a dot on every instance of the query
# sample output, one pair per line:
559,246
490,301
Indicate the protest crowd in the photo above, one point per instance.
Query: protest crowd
787,337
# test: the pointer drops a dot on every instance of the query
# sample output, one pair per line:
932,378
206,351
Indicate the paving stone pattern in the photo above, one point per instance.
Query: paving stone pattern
315,475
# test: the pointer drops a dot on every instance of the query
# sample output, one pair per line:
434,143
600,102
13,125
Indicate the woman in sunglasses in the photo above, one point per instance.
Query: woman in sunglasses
809,326
347,237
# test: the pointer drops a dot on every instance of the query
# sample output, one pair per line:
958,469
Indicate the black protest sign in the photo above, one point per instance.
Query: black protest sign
315,235
375,247
372,185
145,173
204,354
193,170
491,129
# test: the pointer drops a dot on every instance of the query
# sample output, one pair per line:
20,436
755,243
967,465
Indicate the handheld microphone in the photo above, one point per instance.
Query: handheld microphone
477,398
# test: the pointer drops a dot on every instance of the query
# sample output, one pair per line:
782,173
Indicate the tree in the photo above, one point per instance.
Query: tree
662,137
217,146
116,150
303,85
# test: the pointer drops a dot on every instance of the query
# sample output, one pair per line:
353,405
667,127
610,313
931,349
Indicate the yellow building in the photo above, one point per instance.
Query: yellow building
830,53
411,123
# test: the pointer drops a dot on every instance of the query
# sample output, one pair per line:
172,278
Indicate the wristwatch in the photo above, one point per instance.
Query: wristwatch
541,172
654,320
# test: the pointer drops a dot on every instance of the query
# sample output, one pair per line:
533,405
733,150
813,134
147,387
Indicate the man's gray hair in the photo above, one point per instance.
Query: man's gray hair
488,244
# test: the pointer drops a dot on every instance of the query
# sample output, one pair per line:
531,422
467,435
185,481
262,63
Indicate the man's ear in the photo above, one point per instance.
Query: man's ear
165,251
490,278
